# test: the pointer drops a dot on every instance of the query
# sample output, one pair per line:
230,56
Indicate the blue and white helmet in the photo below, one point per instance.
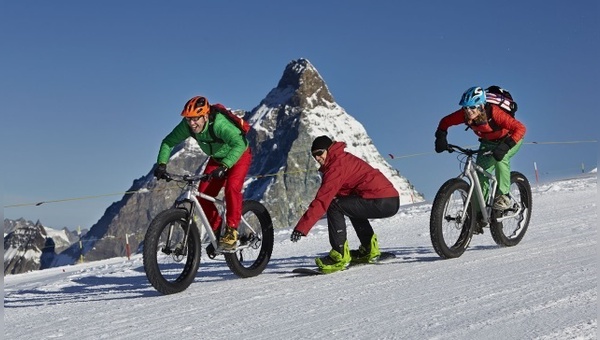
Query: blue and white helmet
474,96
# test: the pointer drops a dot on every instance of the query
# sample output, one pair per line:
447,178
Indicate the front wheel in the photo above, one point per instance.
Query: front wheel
255,241
171,254
509,226
449,226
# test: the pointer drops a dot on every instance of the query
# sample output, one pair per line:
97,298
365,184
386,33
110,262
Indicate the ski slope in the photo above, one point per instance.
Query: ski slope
544,288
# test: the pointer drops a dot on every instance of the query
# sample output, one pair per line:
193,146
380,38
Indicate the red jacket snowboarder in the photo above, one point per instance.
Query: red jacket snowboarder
350,187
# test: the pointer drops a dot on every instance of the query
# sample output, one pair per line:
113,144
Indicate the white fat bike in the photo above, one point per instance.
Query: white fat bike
453,220
176,236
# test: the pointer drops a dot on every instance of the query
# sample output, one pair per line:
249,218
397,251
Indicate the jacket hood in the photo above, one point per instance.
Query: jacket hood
335,150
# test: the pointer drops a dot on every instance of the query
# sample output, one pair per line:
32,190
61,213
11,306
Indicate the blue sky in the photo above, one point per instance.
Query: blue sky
89,89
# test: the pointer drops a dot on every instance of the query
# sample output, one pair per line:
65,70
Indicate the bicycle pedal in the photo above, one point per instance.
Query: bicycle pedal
220,249
227,251
211,252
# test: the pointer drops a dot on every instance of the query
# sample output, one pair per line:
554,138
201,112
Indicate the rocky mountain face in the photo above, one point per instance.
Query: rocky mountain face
31,246
284,175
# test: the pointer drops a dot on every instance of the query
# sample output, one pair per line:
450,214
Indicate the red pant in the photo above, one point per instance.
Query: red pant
234,183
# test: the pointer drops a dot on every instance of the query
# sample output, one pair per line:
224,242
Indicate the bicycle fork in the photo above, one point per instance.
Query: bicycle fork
470,172
190,203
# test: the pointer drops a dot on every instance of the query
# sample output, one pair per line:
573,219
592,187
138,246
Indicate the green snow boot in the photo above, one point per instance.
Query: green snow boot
334,261
366,254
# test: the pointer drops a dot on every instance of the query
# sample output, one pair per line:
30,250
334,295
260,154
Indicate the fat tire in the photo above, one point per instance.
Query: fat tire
234,260
151,251
438,220
497,228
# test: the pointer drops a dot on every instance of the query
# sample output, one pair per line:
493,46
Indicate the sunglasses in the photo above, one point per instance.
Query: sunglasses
474,109
193,119
318,153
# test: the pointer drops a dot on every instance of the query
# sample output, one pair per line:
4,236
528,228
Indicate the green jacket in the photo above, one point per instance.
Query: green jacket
226,151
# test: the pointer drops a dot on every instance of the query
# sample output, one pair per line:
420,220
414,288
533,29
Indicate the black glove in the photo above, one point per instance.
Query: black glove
219,172
295,236
441,143
160,171
500,151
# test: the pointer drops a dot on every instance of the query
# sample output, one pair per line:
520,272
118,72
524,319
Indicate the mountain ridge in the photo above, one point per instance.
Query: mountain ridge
284,175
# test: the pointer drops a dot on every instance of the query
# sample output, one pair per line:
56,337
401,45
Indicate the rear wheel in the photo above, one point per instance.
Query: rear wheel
255,241
170,262
509,226
450,233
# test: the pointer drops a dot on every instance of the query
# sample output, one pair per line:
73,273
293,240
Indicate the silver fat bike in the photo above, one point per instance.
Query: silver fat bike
176,236
453,220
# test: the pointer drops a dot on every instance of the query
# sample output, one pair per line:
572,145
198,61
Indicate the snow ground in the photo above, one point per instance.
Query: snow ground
543,288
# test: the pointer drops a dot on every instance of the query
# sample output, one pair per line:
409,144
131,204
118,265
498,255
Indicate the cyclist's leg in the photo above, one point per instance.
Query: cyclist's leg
488,163
233,188
503,169
211,188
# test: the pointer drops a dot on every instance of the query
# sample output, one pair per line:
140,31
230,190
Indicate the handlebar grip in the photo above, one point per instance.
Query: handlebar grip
201,178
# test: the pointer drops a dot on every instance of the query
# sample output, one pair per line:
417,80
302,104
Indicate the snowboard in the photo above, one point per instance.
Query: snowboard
385,256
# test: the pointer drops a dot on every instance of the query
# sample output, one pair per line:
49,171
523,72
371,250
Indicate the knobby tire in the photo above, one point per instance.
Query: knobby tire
451,236
242,263
510,232
171,276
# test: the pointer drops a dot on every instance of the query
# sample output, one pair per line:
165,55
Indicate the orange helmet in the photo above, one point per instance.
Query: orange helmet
196,107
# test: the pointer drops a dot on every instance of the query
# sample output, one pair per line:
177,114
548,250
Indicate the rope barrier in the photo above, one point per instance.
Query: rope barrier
571,142
81,198
62,200
391,157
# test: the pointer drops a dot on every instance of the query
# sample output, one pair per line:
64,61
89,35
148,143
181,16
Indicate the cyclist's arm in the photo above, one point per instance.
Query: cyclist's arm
455,118
178,135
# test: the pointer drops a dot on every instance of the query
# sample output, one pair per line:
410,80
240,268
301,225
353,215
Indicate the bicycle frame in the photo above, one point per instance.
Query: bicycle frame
190,195
471,171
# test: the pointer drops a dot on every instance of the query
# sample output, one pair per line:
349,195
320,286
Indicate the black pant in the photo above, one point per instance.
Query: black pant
359,210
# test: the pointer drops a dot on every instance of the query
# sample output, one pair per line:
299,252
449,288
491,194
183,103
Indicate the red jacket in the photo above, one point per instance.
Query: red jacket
508,125
344,175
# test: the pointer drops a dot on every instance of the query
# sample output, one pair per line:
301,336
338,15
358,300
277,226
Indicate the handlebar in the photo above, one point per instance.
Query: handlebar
467,151
185,178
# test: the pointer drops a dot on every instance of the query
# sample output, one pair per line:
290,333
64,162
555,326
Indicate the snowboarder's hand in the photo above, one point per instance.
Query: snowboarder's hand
160,171
295,236
219,172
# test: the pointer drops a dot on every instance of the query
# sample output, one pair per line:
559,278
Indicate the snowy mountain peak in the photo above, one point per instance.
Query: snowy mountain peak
285,123
308,87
